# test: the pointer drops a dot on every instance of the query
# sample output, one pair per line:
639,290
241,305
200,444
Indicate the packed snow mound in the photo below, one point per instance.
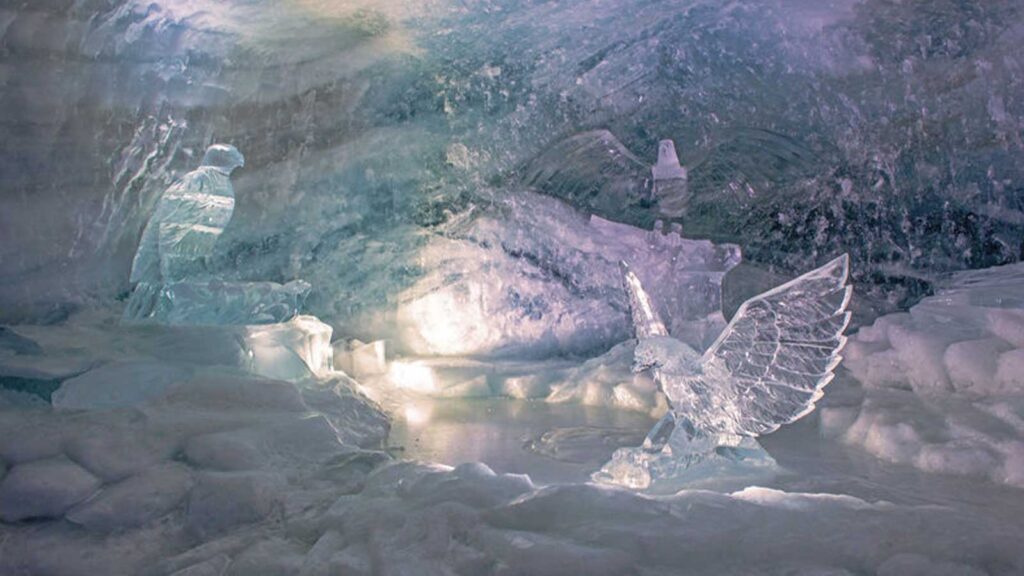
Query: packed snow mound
944,382
117,385
966,339
220,451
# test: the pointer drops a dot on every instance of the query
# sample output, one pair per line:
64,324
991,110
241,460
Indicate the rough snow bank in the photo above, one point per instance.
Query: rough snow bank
243,476
944,383
113,491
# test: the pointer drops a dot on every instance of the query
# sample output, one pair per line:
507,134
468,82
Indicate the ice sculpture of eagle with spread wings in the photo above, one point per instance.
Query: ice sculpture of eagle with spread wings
767,368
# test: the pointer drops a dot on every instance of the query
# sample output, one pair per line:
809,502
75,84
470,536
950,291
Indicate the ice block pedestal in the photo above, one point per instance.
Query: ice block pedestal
360,360
291,350
730,463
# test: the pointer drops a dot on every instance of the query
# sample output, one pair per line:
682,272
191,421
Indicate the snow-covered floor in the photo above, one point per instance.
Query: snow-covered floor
250,484
193,463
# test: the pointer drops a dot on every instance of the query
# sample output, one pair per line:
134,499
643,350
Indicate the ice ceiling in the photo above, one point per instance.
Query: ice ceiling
374,130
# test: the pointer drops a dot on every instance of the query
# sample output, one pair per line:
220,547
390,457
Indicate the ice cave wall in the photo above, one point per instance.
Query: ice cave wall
371,128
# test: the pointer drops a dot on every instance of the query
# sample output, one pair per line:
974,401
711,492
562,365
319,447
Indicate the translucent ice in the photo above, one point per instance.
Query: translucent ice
292,350
189,218
531,276
181,234
720,461
359,359
213,301
766,369
171,272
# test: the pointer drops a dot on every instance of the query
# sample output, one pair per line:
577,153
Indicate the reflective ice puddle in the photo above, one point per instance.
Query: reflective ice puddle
508,435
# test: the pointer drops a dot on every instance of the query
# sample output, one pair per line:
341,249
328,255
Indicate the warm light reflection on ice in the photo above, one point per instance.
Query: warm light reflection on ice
417,415
414,377
449,322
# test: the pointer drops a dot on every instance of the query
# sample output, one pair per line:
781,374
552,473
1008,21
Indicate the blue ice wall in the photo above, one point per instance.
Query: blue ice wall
891,130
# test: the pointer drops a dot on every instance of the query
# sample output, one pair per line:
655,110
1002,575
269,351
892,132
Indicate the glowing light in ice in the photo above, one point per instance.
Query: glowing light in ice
414,377
449,322
417,415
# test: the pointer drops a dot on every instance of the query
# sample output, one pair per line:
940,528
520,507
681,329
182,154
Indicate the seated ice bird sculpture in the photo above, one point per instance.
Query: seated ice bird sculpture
174,280
180,236
766,369
189,218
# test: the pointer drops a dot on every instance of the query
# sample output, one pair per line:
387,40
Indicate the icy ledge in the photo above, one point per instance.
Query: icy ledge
944,383
92,362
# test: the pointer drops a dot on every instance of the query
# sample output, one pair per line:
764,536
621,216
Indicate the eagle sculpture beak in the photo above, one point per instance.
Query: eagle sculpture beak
640,366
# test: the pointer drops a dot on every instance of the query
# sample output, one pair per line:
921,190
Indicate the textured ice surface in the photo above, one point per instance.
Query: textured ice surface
532,276
806,128
216,302
944,383
174,282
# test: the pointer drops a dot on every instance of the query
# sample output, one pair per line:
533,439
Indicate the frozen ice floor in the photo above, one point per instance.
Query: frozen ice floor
500,431
508,436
